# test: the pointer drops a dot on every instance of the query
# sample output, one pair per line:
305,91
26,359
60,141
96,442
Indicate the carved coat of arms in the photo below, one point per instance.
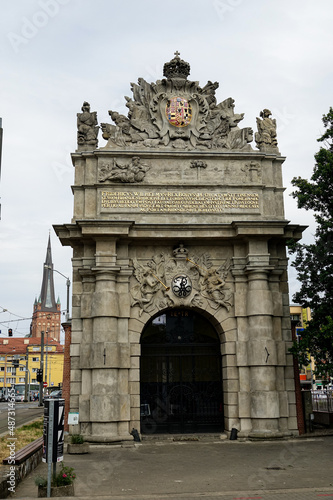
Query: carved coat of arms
167,281
178,113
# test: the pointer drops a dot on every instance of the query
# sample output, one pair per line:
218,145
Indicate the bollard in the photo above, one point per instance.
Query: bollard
233,435
135,435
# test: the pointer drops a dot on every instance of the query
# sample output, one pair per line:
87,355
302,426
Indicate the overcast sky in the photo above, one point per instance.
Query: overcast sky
57,53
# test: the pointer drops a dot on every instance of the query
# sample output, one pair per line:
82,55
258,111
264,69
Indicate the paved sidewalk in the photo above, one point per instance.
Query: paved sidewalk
184,470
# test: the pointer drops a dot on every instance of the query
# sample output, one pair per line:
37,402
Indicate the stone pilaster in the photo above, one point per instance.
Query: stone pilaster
262,356
105,358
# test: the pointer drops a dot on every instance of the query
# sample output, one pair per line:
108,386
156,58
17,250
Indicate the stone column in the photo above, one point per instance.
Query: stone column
243,389
88,287
261,355
109,360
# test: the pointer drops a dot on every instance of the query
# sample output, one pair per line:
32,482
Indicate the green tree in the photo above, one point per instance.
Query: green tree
314,263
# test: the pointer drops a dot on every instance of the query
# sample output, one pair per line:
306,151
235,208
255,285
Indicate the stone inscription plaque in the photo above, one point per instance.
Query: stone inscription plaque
171,201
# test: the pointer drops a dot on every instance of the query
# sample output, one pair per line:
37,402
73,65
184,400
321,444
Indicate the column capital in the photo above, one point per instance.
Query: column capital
256,272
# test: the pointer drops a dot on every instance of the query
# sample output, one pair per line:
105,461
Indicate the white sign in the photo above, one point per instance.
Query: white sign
73,418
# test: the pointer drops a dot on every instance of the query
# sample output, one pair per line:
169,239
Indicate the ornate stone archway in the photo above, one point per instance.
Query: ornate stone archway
181,386
177,210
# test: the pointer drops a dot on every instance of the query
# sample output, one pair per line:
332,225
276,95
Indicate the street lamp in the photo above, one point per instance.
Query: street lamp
68,284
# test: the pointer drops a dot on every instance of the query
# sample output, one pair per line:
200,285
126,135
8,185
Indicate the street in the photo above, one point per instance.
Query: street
298,469
24,412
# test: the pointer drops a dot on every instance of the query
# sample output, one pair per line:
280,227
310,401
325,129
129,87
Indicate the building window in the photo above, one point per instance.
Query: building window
34,370
35,359
9,369
2,368
22,368
21,379
34,380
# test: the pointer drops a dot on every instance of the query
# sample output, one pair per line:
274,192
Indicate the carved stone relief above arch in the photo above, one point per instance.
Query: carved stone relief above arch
180,280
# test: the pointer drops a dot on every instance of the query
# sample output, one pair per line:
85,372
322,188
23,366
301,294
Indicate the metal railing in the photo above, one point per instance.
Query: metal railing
322,401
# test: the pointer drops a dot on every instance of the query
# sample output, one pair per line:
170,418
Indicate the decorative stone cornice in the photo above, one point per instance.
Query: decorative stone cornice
95,229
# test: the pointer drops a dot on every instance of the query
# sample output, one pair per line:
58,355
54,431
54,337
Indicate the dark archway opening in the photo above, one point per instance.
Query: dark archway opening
181,375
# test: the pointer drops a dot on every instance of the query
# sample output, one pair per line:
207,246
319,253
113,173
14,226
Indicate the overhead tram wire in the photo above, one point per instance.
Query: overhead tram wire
17,319
14,320
13,314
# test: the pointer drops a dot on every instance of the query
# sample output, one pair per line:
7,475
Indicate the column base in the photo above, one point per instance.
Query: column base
107,439
266,435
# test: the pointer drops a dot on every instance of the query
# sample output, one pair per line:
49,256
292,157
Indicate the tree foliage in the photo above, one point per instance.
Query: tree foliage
314,262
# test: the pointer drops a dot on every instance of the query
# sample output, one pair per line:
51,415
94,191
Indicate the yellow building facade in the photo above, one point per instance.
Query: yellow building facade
26,354
300,316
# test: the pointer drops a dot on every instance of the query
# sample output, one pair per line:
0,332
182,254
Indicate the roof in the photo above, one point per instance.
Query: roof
47,297
14,345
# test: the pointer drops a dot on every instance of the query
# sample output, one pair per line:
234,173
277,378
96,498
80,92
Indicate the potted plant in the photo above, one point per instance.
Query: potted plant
77,445
62,483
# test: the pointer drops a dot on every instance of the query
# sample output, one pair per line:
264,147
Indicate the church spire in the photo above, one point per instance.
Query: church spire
47,298
46,314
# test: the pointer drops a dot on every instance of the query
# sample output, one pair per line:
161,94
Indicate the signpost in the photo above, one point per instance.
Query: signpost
53,436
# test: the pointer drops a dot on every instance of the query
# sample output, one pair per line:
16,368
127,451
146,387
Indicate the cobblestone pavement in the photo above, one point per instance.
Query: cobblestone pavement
228,470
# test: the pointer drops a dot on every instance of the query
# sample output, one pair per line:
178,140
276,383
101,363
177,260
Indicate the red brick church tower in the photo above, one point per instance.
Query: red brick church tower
47,312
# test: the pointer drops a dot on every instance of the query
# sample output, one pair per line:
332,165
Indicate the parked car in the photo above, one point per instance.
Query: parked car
56,394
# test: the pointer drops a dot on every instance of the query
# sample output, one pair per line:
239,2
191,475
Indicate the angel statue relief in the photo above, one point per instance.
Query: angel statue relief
149,285
213,285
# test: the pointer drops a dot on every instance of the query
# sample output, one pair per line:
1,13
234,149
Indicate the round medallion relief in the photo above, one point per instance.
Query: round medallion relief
181,286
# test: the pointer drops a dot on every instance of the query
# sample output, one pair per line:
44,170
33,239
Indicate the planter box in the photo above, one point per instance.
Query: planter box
57,491
77,449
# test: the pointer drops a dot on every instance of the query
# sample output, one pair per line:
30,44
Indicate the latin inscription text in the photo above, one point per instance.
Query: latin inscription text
171,201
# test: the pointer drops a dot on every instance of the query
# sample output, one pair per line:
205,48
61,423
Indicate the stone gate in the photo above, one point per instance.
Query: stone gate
178,238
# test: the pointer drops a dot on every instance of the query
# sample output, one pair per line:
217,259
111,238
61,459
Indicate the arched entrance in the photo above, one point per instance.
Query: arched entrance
181,375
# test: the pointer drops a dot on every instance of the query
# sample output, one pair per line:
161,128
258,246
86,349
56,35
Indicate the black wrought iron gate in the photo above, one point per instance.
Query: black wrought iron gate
181,379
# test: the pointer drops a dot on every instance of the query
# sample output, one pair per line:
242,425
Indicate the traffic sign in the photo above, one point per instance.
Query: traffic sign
44,384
